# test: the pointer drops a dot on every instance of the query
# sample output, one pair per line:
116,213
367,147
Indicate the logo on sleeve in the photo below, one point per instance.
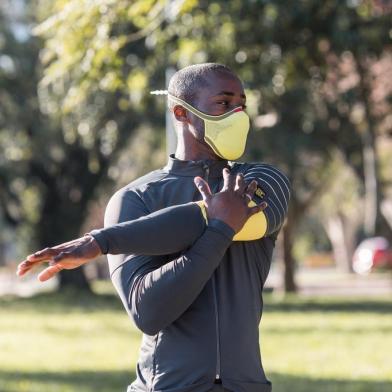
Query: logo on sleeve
259,193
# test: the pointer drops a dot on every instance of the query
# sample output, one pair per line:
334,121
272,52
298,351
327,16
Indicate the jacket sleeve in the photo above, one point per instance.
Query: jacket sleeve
148,284
274,188
162,232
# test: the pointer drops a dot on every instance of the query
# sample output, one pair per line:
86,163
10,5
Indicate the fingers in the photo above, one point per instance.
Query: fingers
71,253
49,253
226,176
27,265
202,187
255,209
228,179
247,197
43,254
33,260
251,188
49,272
23,267
240,184
249,191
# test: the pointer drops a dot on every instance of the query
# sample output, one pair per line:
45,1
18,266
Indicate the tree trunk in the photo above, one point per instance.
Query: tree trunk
386,211
341,233
288,258
369,153
74,278
61,224
2,251
371,185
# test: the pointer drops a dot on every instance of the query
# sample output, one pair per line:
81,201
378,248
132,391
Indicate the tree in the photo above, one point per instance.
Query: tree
101,59
55,158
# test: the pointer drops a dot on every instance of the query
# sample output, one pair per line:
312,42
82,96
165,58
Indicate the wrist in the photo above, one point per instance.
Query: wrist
221,226
94,244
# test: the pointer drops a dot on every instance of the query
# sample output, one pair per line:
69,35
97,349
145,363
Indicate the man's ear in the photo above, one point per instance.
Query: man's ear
180,113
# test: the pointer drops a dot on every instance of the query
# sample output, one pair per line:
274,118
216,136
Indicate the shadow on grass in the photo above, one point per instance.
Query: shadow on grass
341,330
89,302
81,381
65,300
299,304
116,381
289,383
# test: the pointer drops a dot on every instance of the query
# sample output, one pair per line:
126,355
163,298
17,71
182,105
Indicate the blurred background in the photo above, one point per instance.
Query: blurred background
77,122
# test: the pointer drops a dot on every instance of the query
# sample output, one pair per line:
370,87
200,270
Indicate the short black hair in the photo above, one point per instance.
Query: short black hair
185,82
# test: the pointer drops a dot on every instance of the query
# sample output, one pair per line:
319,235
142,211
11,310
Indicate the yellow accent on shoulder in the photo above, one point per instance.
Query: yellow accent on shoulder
203,210
254,228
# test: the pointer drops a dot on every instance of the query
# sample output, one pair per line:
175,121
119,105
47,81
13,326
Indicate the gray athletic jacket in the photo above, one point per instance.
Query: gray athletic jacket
200,309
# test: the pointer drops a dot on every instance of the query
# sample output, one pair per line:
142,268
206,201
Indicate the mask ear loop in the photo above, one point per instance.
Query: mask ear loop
200,114
193,110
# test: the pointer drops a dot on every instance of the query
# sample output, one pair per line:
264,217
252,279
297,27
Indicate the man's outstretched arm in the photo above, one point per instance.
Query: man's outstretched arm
167,231
162,232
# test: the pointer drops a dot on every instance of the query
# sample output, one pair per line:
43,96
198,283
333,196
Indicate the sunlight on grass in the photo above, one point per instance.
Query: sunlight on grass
68,342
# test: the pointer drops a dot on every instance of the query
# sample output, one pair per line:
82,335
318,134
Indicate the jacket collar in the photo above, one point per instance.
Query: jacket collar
196,168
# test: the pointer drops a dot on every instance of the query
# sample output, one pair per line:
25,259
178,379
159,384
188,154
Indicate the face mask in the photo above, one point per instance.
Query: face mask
225,134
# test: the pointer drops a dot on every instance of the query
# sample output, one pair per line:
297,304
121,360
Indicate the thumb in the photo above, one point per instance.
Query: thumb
202,187
49,272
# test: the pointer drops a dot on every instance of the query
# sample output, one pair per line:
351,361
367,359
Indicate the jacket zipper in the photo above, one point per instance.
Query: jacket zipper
218,364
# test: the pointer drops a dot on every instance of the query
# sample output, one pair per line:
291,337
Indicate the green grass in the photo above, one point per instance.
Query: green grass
328,344
68,342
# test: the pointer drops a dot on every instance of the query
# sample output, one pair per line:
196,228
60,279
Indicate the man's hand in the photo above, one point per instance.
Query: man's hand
230,205
68,255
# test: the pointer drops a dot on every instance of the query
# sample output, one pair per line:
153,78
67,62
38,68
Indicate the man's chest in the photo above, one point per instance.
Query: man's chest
177,191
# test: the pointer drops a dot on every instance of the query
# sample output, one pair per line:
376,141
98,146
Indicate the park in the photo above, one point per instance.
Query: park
78,122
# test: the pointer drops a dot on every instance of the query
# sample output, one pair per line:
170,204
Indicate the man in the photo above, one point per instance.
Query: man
197,295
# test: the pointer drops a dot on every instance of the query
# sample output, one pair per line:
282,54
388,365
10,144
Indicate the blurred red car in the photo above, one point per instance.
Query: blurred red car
371,254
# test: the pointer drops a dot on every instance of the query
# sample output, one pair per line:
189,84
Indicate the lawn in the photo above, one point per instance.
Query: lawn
65,342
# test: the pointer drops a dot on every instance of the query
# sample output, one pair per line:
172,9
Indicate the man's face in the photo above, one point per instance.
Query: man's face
223,93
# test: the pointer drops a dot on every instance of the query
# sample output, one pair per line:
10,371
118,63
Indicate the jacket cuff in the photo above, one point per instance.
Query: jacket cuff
101,239
222,227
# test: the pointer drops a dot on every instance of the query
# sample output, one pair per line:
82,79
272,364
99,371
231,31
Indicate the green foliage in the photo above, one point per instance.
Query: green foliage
283,53
19,197
311,69
54,159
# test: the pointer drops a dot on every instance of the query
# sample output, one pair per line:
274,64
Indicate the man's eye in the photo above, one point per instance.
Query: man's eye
225,103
